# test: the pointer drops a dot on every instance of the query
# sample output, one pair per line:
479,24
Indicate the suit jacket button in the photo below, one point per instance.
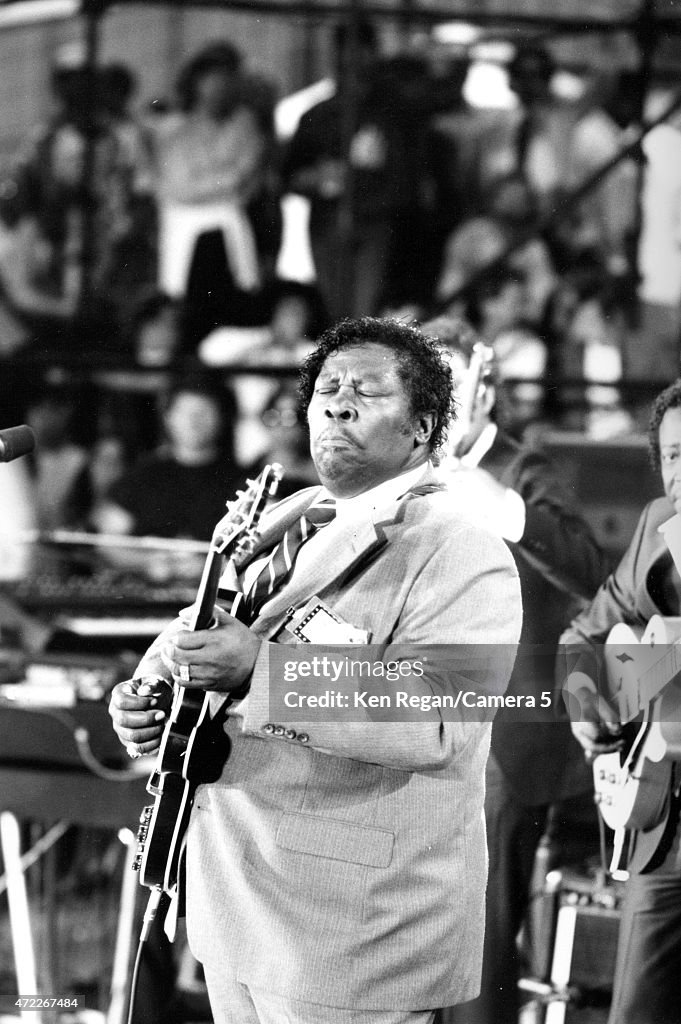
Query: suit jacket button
279,730
303,737
269,728
290,734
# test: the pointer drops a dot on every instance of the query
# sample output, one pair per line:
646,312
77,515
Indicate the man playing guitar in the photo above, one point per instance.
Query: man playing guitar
327,879
646,583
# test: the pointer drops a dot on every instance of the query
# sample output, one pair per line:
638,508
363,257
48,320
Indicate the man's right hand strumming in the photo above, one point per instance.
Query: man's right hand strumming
139,709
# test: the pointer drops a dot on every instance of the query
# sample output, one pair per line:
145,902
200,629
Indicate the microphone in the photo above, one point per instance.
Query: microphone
15,442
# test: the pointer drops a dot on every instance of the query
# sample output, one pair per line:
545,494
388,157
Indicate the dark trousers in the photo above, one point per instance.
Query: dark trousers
647,986
513,834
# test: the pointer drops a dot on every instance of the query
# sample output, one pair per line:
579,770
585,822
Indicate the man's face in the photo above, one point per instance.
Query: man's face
670,455
362,429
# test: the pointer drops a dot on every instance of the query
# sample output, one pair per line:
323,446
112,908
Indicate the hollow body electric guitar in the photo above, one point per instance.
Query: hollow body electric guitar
633,786
179,765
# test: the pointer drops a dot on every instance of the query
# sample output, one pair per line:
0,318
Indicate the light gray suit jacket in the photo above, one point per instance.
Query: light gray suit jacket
343,862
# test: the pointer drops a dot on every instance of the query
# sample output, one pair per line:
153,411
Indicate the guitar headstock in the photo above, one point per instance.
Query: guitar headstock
236,533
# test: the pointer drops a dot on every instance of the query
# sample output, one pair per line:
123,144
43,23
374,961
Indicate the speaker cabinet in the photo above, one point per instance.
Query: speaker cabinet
576,966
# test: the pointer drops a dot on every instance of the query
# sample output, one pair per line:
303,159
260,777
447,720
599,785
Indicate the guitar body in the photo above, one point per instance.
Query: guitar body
633,786
192,748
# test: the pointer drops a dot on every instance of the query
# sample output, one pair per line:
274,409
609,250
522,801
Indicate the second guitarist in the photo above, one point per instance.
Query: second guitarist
647,582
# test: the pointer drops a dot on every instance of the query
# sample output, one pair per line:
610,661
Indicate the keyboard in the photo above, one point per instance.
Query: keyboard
106,593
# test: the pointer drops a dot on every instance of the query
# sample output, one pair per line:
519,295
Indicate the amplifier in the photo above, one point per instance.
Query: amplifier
610,481
580,931
590,934
57,716
48,737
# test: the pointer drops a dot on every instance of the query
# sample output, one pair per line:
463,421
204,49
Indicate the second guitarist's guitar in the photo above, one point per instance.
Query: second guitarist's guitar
633,786
172,783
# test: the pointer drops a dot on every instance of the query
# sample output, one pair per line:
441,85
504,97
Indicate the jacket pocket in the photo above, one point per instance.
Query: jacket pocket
336,840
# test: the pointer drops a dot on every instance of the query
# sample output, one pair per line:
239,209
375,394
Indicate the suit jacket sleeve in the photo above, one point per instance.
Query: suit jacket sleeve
581,645
463,610
556,539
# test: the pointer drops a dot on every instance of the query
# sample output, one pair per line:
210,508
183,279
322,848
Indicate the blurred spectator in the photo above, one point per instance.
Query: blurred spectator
156,331
598,328
652,353
264,207
510,203
351,157
128,397
593,338
541,128
117,86
603,224
455,140
109,459
495,308
480,241
288,442
210,162
135,257
33,314
297,318
470,248
180,489
58,465
78,180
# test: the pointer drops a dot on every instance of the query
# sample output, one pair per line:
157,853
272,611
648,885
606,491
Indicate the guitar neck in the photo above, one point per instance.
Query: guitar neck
202,613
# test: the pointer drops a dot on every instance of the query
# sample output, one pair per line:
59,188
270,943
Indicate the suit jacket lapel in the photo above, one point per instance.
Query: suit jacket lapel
651,594
278,523
350,545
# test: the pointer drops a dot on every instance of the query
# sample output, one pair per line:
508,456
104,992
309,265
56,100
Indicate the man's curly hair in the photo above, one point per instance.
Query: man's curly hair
424,374
670,398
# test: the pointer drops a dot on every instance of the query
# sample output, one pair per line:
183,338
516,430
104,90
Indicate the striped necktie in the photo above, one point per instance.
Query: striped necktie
281,560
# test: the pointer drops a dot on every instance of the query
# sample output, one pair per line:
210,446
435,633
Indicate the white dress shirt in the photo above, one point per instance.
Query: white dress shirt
504,517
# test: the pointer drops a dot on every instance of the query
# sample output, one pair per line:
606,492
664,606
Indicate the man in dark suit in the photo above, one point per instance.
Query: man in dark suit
513,490
647,582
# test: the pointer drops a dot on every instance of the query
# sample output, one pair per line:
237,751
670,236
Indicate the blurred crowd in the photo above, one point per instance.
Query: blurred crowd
149,243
